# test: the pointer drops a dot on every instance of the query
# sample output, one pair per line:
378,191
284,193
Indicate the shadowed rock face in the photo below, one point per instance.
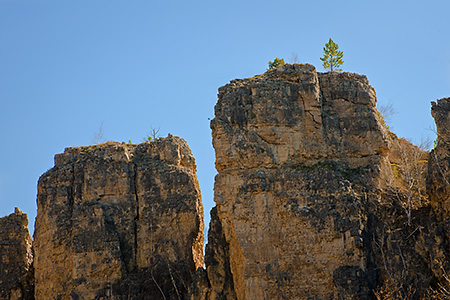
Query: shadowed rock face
117,221
297,153
438,189
439,168
16,258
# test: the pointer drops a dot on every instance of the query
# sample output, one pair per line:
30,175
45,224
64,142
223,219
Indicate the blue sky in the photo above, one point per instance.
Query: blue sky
67,66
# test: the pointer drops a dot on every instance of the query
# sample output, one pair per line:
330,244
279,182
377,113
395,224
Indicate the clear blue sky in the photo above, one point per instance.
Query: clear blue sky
67,66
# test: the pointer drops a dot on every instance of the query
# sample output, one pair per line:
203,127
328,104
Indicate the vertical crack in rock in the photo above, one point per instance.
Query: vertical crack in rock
137,217
217,260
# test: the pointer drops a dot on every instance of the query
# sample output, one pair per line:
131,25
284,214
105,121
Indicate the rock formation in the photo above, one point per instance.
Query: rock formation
438,188
310,190
16,257
439,167
315,199
118,221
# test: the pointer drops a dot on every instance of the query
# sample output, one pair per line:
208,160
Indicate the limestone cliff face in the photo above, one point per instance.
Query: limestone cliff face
439,168
119,221
438,188
16,258
315,198
292,115
298,154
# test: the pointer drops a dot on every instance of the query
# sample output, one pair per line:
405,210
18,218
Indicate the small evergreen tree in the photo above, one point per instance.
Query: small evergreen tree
276,62
332,57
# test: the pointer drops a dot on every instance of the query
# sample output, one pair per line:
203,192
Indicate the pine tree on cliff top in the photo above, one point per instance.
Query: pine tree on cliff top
276,62
332,57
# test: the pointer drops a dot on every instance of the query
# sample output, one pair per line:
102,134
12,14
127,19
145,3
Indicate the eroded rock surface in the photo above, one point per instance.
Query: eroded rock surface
438,188
316,199
16,258
118,221
298,154
439,168
286,117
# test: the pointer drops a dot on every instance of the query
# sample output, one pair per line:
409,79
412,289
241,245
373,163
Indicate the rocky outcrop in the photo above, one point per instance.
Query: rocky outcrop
438,189
286,117
315,198
16,258
298,154
439,168
119,221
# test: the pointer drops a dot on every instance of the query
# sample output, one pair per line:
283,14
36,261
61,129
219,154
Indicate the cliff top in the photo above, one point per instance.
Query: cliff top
172,149
295,115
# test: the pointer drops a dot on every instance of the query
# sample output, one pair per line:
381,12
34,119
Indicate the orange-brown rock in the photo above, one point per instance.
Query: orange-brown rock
298,154
315,198
118,221
438,189
439,168
16,258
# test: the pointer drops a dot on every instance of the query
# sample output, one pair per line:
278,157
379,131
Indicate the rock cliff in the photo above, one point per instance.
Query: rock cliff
118,221
438,189
439,168
16,258
314,195
315,199
298,155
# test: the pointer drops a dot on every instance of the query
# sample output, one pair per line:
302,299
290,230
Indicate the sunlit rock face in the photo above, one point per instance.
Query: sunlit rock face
315,199
16,258
119,221
297,153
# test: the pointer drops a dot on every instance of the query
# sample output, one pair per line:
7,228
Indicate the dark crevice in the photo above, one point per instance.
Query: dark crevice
71,199
137,216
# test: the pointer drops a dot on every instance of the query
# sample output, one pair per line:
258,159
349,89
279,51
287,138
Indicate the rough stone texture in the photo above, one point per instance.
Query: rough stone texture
16,258
285,117
297,154
217,260
438,188
439,168
314,195
119,221
315,198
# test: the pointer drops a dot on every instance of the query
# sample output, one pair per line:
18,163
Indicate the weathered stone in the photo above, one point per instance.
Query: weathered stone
297,153
438,178
118,221
217,260
16,258
437,241
316,199
286,117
